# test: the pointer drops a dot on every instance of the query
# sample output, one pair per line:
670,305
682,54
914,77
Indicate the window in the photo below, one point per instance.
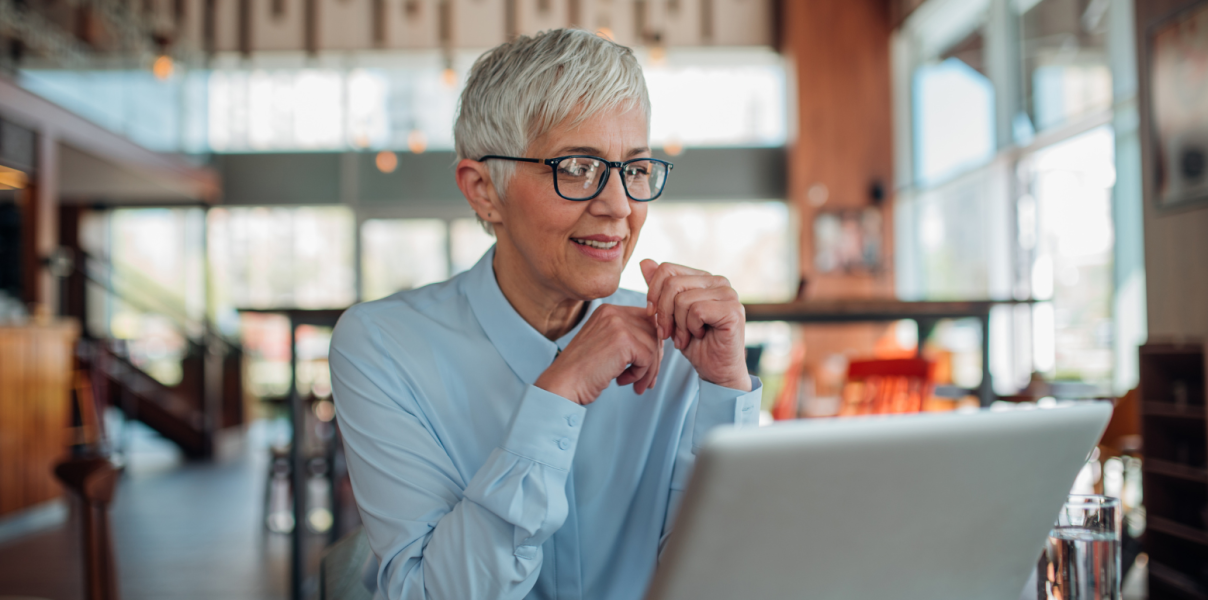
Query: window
1071,239
731,97
750,243
954,120
402,254
735,98
148,283
953,96
279,257
1064,48
470,242
166,116
984,211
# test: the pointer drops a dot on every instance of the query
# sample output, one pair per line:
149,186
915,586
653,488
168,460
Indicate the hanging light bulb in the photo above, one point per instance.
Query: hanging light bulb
386,161
658,56
673,147
417,142
162,67
448,76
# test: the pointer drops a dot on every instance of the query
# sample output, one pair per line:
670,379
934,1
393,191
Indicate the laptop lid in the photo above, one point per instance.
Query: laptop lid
910,507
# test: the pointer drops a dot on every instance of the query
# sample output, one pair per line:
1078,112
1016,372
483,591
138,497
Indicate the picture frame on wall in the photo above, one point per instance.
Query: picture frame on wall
848,241
1178,106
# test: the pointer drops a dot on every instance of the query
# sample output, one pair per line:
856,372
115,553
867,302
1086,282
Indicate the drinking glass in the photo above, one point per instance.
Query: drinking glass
1081,559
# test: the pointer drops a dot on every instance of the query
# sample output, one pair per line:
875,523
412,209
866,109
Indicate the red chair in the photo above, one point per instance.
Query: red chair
874,387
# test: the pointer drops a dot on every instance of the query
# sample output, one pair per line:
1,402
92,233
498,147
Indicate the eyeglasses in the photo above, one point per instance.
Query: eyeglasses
581,177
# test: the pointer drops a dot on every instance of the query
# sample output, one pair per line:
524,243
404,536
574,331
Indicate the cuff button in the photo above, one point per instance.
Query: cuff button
564,443
572,420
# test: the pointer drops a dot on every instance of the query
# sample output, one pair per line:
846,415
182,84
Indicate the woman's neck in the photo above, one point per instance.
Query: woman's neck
549,312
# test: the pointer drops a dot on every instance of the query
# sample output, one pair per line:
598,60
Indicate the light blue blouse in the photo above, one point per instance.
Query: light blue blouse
474,484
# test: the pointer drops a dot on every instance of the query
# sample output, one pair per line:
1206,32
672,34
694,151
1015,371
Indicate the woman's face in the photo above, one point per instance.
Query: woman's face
575,249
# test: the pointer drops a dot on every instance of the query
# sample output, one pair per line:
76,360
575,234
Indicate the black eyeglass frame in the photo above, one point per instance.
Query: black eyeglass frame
608,167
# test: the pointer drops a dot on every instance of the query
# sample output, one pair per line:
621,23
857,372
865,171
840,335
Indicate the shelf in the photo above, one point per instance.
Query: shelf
1178,530
1174,469
1166,409
1176,579
1191,349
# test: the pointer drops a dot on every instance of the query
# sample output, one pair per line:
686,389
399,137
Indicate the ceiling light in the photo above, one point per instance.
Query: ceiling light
386,161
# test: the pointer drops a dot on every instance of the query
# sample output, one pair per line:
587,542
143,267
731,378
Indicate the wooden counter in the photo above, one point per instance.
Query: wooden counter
36,367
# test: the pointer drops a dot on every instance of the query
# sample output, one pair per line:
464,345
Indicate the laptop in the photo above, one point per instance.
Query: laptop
907,507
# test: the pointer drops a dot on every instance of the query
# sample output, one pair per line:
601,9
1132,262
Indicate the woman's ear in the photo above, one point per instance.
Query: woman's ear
474,180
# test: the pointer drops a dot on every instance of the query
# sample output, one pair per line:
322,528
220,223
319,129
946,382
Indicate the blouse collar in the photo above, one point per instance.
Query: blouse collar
525,349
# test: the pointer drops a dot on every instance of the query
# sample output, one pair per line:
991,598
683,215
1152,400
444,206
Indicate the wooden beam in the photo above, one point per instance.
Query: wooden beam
843,146
46,219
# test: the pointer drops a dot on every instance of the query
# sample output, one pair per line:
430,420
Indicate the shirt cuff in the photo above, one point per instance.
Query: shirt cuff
719,405
546,428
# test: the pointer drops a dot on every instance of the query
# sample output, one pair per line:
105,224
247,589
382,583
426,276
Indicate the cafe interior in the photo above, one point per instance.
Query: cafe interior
927,206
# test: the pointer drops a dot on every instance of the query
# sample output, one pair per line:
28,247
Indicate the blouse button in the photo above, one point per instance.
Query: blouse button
564,443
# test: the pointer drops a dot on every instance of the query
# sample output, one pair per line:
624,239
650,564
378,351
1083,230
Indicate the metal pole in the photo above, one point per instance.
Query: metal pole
297,461
986,393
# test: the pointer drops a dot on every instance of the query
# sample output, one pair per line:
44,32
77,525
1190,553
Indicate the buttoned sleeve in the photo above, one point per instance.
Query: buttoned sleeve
437,536
714,406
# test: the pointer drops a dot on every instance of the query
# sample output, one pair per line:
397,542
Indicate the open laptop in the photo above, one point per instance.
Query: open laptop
912,507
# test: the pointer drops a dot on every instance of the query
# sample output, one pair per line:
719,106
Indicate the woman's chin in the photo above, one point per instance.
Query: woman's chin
599,286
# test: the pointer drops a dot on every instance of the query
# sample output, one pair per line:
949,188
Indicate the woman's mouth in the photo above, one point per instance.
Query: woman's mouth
595,244
600,247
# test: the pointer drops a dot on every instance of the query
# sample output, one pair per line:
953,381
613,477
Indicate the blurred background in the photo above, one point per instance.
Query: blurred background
926,205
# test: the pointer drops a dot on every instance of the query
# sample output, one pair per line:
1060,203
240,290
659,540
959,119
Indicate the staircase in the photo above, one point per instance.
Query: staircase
209,396
182,413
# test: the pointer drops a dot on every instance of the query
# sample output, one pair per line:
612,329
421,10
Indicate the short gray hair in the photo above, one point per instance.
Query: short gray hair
520,90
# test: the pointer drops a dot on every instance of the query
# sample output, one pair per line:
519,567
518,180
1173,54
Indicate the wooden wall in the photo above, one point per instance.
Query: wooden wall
36,367
839,52
839,61
1176,240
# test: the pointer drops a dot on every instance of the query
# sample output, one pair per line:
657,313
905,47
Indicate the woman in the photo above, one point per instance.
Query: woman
525,429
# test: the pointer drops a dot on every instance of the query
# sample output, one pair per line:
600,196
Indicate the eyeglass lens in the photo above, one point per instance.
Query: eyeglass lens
580,178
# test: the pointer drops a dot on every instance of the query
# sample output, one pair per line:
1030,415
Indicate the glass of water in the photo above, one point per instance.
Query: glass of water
1081,559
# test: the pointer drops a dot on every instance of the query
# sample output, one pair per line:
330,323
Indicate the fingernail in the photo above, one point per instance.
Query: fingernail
649,308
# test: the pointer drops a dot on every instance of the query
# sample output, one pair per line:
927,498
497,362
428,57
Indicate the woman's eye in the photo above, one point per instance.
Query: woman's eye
573,169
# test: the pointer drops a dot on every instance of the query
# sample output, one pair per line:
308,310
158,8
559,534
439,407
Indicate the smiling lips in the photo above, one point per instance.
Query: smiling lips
600,247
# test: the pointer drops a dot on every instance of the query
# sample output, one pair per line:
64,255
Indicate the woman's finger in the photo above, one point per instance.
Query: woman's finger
631,375
711,313
672,287
645,352
660,274
686,300
657,361
662,345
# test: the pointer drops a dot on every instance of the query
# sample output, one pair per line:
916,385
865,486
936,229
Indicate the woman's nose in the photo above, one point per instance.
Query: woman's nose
612,201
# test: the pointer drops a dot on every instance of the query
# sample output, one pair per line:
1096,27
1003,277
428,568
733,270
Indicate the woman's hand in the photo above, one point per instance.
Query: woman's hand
616,342
701,314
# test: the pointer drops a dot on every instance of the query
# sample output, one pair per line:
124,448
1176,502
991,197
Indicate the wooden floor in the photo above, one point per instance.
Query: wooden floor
182,531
